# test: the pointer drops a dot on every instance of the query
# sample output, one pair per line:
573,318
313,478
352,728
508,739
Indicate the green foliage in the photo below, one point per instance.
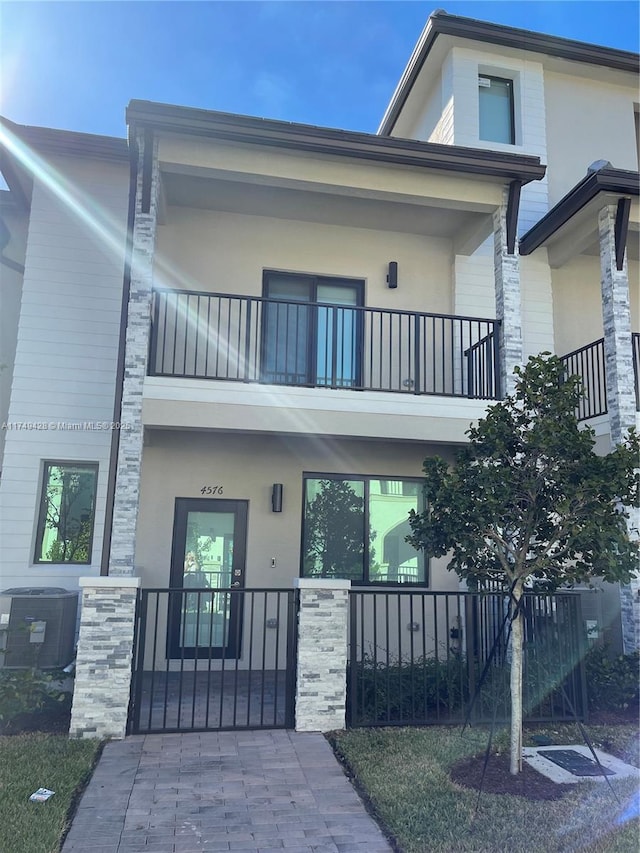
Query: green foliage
425,689
24,691
528,498
612,680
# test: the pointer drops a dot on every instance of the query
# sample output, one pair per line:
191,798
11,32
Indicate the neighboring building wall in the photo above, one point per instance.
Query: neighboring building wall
475,296
10,296
65,358
577,302
588,119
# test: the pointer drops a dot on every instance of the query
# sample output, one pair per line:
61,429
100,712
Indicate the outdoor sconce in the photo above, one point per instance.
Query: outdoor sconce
392,275
413,626
276,497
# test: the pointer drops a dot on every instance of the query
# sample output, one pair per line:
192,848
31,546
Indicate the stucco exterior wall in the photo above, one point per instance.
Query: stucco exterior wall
577,302
587,120
65,360
227,253
179,464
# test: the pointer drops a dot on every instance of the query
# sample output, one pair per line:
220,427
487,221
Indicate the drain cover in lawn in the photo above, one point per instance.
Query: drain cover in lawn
575,762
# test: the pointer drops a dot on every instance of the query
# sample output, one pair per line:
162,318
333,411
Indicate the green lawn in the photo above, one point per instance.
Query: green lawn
29,762
405,774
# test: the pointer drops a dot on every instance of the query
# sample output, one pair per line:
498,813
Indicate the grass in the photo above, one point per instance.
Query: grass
405,775
29,762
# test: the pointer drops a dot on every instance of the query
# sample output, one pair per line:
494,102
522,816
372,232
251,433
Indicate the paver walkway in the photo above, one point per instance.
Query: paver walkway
261,791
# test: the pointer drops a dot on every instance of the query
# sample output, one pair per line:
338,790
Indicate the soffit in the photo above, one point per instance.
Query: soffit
411,216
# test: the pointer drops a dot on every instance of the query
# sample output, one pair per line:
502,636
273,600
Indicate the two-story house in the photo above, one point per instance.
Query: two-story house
281,321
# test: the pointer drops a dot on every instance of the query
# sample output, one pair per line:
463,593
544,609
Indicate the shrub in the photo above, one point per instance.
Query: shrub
612,680
26,691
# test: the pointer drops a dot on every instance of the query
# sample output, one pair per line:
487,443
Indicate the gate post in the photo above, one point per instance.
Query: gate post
104,660
321,683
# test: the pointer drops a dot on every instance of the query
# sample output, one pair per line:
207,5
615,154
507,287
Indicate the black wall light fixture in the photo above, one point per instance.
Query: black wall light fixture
392,275
276,497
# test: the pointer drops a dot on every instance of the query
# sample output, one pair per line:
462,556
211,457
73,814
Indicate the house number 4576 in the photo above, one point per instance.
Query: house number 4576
211,490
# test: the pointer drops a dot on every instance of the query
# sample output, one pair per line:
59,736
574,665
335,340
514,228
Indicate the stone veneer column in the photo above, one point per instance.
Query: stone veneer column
104,659
127,494
508,302
621,401
321,685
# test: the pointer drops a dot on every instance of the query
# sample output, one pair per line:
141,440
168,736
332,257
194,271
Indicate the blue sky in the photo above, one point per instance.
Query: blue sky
76,65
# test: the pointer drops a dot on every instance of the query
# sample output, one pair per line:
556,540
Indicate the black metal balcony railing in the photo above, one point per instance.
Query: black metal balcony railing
277,342
588,363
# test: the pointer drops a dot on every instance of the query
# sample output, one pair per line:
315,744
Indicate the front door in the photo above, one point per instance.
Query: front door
208,563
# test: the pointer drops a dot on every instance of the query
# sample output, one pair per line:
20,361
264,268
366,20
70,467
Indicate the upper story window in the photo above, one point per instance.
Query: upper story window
496,110
67,510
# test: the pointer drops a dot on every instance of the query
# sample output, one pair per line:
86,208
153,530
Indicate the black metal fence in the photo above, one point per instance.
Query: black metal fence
588,363
213,659
252,339
417,658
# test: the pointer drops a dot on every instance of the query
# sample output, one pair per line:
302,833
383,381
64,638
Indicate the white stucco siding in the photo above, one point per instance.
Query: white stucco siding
65,361
587,120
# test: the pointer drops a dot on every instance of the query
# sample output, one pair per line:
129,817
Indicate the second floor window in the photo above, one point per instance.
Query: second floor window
496,112
311,333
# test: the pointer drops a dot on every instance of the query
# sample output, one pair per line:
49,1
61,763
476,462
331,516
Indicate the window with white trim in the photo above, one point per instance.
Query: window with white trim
496,109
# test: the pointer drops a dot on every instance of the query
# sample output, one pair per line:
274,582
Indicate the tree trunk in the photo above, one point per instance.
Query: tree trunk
517,636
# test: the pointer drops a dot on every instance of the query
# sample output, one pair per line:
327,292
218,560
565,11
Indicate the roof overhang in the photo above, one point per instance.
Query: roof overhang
571,226
231,128
442,24
19,143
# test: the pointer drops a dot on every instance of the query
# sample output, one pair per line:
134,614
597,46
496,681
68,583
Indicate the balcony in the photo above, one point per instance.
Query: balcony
588,363
245,339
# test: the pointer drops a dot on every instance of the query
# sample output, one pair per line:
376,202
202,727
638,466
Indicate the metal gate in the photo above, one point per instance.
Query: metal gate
420,658
208,659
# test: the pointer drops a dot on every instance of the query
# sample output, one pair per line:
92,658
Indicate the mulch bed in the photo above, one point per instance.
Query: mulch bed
498,780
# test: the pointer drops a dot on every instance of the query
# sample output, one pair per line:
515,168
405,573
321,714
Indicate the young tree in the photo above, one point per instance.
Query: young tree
529,502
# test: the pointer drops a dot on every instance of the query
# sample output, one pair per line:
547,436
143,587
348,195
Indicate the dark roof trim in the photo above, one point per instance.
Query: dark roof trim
302,137
69,142
608,180
440,23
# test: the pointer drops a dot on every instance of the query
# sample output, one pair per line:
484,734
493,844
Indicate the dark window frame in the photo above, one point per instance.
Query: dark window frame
366,479
512,110
315,280
47,464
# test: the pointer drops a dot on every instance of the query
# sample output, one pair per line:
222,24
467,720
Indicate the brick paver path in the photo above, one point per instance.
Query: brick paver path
255,791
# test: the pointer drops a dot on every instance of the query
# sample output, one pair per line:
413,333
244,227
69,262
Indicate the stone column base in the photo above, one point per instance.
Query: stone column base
104,659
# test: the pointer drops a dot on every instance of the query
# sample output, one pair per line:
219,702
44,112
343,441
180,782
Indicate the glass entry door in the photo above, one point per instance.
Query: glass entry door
208,563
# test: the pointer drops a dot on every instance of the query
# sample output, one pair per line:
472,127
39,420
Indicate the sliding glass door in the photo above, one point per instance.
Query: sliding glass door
311,332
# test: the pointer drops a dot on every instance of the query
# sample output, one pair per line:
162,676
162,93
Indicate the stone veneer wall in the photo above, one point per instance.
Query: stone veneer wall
127,495
508,300
321,685
104,659
621,400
